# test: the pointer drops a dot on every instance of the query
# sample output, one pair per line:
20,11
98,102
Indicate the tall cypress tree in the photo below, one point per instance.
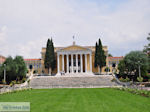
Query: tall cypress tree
101,58
53,60
95,62
49,56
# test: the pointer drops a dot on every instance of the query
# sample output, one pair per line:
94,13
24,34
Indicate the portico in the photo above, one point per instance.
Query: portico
74,59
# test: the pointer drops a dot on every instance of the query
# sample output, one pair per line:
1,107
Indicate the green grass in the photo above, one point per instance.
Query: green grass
80,100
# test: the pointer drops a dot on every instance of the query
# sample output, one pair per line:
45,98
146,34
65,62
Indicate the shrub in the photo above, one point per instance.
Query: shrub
127,79
12,83
136,91
147,85
113,80
140,79
35,71
124,80
23,80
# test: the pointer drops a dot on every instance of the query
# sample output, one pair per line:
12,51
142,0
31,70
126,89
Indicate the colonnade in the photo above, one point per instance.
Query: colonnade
75,63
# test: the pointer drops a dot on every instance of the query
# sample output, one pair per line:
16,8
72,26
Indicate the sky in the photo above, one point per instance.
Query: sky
25,25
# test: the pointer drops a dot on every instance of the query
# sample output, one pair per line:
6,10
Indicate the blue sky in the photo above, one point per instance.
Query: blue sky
25,25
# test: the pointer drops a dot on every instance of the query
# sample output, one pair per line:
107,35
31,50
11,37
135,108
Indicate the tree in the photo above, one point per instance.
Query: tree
130,64
147,47
50,61
21,66
15,68
110,55
95,62
100,59
147,50
122,69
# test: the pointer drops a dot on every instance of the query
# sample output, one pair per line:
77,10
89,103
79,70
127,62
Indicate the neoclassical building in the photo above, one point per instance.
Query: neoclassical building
75,59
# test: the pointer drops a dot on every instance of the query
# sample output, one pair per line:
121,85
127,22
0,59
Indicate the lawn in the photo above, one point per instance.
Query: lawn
80,100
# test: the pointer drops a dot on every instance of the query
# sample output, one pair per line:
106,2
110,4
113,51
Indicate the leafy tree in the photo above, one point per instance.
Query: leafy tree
100,56
21,66
122,67
110,55
50,61
147,47
130,64
15,69
147,50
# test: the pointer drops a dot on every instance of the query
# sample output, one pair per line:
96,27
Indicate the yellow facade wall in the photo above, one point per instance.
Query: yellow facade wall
88,63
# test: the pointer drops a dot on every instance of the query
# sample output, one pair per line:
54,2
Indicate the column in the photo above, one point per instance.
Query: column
85,63
63,62
81,63
91,62
58,70
76,63
67,56
72,63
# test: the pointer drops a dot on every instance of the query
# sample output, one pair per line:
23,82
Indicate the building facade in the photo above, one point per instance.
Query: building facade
2,59
75,59
33,65
113,63
72,59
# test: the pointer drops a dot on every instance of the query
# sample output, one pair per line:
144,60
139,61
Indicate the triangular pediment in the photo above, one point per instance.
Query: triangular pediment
74,48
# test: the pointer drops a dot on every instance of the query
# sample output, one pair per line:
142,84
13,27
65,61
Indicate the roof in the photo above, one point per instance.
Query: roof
2,56
31,59
115,57
74,48
88,47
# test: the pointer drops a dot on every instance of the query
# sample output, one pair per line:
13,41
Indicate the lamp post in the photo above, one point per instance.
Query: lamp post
139,69
4,73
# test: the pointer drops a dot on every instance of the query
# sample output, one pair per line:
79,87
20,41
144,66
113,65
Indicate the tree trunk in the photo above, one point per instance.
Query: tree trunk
49,71
99,70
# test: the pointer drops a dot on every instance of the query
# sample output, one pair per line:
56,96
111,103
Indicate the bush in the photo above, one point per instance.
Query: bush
144,93
113,80
140,79
23,80
124,80
147,85
107,69
12,83
35,71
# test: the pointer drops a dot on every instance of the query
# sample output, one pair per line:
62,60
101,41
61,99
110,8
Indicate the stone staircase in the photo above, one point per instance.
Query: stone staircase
72,82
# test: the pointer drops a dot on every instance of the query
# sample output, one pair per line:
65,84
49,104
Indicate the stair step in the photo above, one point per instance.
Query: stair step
58,82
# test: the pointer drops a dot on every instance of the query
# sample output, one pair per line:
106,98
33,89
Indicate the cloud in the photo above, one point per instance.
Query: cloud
3,34
122,26
3,40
